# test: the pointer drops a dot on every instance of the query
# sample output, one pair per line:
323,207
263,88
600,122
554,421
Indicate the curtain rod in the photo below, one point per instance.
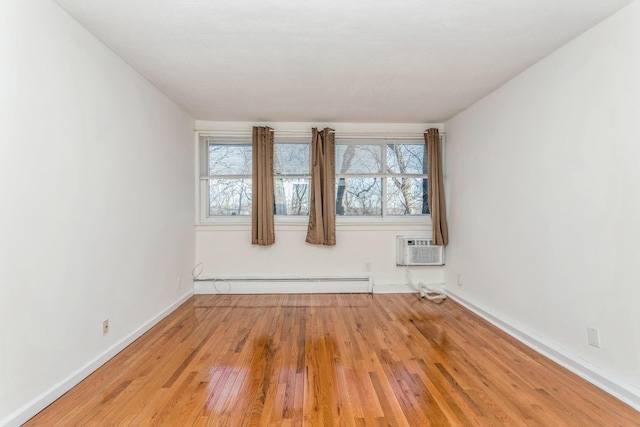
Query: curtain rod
384,134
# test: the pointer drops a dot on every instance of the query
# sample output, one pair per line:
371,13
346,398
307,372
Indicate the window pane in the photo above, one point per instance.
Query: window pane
230,196
291,196
230,159
358,159
291,159
407,196
359,196
407,158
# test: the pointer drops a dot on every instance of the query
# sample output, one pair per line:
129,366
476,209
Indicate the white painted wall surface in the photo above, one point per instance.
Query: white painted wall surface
229,253
97,202
544,207
226,250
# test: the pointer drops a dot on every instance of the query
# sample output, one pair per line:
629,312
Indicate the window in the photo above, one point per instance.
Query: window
291,167
381,177
374,177
226,170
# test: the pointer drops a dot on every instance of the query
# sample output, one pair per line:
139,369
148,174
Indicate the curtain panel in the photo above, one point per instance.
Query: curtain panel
262,202
322,206
436,187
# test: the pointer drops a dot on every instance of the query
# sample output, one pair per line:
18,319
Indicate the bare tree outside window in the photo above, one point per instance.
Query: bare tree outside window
292,178
406,189
229,197
374,177
230,179
359,179
347,158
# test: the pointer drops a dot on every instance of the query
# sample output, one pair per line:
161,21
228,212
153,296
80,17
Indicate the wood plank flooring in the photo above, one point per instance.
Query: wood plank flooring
325,360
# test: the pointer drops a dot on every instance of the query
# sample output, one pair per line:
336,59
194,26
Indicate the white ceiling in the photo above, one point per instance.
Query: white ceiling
385,61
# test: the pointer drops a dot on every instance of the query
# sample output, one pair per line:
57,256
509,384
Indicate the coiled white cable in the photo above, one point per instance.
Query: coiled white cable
199,266
425,291
215,286
197,271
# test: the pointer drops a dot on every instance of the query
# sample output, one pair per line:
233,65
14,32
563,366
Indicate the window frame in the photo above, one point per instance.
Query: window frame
295,222
281,140
384,174
204,175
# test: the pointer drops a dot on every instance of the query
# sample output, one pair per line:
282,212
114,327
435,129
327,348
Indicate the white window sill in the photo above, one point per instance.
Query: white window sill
342,223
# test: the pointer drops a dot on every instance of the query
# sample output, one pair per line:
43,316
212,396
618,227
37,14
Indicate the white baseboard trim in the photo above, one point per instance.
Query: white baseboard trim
406,288
248,285
596,376
393,289
37,404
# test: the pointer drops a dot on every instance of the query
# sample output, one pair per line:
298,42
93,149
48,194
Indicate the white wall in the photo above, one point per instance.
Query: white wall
226,250
544,184
229,253
97,203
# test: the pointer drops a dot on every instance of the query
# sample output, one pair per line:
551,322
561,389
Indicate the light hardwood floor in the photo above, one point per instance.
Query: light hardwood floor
323,360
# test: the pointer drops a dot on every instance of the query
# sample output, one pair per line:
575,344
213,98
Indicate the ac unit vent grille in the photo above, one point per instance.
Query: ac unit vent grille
418,251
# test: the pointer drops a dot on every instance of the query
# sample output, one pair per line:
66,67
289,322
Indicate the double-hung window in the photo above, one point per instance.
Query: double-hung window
291,167
374,177
226,176
381,177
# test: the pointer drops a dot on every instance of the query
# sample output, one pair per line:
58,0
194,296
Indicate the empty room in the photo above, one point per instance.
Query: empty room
276,213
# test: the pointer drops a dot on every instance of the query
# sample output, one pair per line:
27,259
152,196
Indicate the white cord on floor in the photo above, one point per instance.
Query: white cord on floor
435,295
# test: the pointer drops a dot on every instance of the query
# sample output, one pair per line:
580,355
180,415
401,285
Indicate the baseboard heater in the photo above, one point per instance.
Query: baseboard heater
282,285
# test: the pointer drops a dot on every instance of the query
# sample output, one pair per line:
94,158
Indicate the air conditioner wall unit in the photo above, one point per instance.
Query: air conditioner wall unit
418,251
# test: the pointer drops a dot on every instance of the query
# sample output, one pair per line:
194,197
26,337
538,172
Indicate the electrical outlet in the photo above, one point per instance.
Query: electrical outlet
105,327
459,279
178,280
367,266
593,336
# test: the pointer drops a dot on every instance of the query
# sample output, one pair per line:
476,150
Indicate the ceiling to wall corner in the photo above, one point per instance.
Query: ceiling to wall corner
404,61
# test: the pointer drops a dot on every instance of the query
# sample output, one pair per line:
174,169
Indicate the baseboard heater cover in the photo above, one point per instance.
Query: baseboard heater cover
282,285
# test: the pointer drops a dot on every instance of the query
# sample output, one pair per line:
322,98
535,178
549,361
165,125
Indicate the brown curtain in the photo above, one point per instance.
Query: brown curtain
262,203
437,205
322,207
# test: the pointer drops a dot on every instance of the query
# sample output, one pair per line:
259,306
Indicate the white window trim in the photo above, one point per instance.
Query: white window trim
301,226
